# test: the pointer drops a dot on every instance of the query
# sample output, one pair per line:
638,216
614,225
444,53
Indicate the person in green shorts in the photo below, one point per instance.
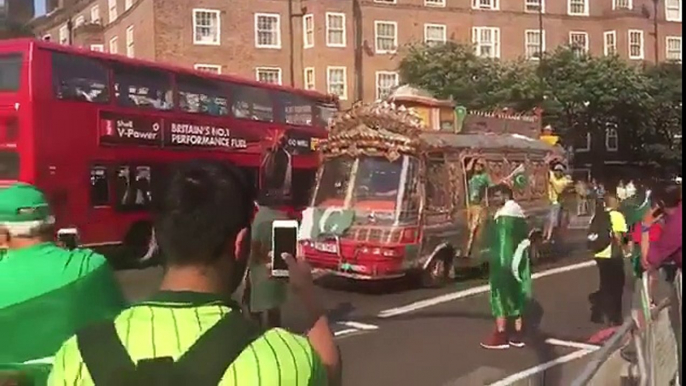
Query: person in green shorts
191,332
48,292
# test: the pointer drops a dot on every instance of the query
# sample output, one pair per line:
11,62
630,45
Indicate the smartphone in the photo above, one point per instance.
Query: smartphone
284,240
68,237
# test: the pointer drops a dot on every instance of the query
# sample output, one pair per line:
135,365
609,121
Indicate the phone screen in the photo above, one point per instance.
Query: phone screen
284,242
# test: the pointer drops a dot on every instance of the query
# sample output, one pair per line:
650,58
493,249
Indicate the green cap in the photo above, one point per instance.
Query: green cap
23,203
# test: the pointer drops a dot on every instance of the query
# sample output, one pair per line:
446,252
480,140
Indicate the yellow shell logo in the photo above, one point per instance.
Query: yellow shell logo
314,143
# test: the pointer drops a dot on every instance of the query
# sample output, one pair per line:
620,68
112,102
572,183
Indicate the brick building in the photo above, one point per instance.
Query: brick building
16,11
349,47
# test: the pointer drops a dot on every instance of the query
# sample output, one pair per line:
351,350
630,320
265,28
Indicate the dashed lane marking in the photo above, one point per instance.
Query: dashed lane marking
473,291
351,328
570,344
542,367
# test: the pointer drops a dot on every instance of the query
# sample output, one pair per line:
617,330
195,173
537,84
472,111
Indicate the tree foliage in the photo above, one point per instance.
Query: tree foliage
578,93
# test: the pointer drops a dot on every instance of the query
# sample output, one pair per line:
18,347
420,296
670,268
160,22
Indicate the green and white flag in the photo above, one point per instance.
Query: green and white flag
325,221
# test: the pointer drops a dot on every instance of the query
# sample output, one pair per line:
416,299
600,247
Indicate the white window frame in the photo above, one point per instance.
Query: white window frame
630,4
378,50
493,5
530,3
431,25
527,44
329,69
277,69
476,33
328,29
569,9
611,132
97,47
80,20
640,33
127,5
201,42
112,10
681,47
307,84
378,77
434,3
114,42
385,1
130,43
47,37
203,67
677,10
308,31
586,42
588,145
276,16
95,14
64,35
606,46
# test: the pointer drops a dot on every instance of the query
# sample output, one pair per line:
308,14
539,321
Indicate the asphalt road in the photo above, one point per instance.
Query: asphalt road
385,342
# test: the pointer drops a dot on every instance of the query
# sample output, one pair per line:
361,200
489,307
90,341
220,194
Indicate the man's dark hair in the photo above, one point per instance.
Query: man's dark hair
504,190
204,205
667,195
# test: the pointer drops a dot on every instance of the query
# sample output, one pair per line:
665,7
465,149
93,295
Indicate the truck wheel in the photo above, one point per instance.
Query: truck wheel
437,273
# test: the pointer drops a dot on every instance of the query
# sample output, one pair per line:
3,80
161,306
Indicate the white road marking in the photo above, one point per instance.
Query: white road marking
472,291
542,367
570,344
359,326
345,332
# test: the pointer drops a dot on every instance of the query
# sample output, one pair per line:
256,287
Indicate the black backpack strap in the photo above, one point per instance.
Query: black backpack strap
103,352
218,348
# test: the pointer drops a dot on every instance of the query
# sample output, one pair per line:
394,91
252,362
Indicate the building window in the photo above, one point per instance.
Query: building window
534,6
586,144
267,30
435,34
579,42
385,83
95,14
309,82
636,44
127,5
386,36
97,47
308,31
81,20
112,6
610,43
47,37
434,3
336,82
673,10
129,42
673,48
622,4
534,41
271,75
335,29
611,139
64,35
206,27
486,4
486,41
211,68
113,45
577,7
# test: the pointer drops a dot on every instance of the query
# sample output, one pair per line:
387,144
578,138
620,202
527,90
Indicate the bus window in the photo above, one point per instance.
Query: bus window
78,78
9,165
100,187
198,95
143,88
302,186
324,114
252,103
133,187
10,70
294,109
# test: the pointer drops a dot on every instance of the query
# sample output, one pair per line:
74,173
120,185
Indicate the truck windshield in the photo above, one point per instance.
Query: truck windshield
9,165
10,70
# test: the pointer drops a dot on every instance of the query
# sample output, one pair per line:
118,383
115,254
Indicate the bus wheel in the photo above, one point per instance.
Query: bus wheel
437,273
137,245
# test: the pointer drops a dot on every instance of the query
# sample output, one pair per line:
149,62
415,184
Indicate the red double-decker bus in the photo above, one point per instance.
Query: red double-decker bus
96,132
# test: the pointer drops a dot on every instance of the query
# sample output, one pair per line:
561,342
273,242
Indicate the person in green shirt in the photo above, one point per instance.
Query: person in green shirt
47,292
478,184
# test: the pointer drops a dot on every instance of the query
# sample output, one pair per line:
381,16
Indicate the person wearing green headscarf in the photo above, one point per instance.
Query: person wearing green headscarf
47,292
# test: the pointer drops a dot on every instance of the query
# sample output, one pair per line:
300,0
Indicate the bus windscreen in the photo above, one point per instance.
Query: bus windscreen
10,70
9,165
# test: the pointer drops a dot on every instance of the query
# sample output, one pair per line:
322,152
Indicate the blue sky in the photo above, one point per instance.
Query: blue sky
40,6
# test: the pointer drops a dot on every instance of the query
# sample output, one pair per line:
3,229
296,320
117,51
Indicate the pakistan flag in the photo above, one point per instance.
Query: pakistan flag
506,237
332,221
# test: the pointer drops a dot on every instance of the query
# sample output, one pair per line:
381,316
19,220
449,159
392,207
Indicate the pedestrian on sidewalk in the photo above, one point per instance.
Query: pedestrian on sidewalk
509,269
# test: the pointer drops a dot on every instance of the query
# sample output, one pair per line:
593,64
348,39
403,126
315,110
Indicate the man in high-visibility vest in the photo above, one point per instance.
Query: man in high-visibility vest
47,292
190,332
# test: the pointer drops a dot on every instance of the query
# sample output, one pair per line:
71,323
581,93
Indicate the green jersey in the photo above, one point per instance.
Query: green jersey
477,187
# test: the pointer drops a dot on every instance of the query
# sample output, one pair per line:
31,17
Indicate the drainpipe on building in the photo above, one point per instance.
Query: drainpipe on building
359,50
70,30
291,40
655,30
